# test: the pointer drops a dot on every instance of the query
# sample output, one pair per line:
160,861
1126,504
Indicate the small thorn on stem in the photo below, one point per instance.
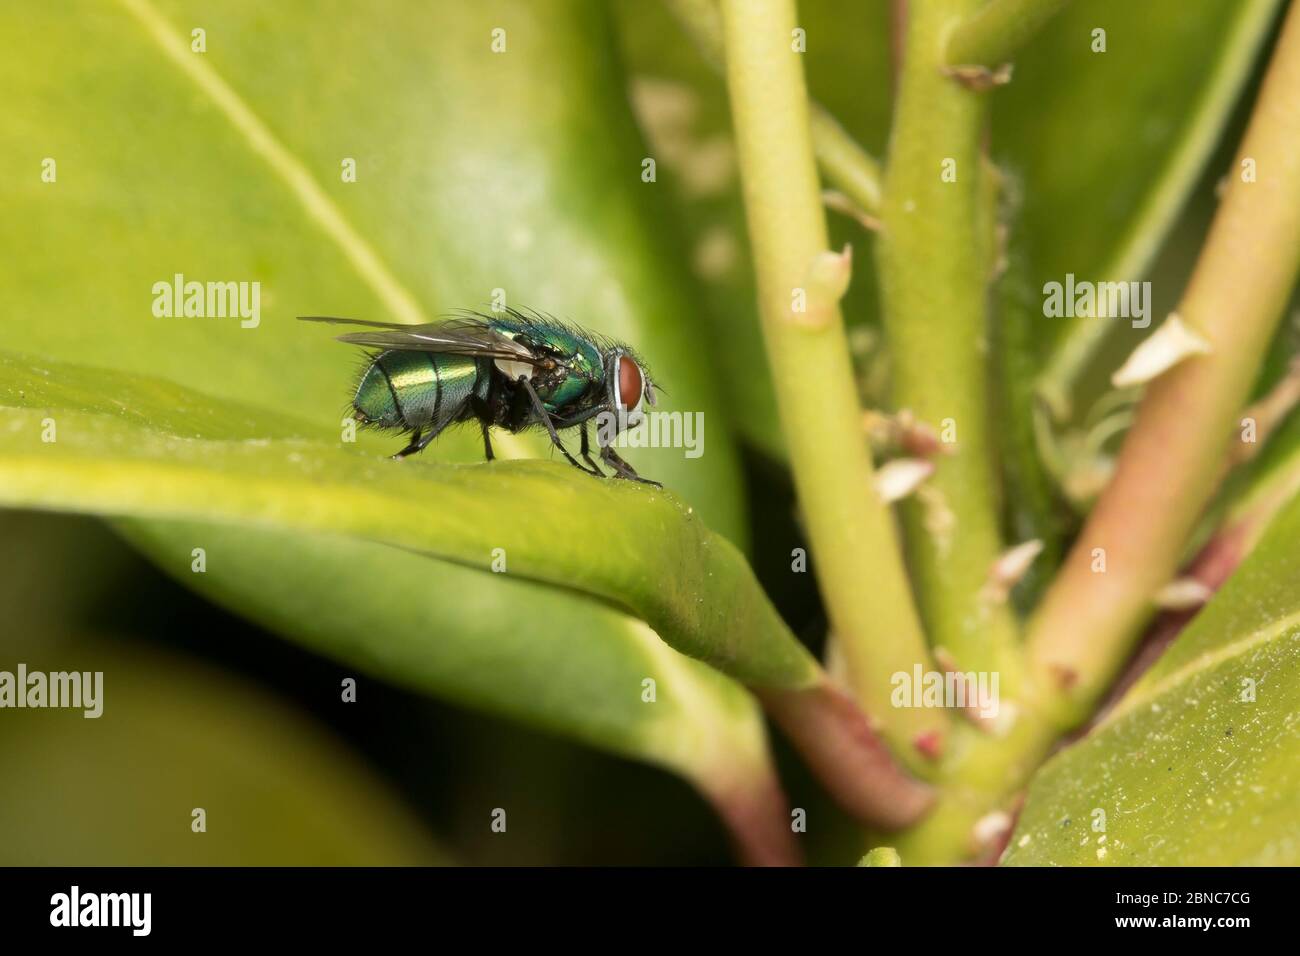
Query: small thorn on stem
897,479
904,431
1183,594
929,744
992,828
939,520
979,78
1066,677
1010,567
997,722
828,280
1170,344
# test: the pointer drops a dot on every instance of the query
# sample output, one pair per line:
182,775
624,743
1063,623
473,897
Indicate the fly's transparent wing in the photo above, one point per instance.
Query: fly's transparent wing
460,336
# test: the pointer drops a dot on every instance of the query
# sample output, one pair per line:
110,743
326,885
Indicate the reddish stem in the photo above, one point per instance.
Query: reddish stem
847,755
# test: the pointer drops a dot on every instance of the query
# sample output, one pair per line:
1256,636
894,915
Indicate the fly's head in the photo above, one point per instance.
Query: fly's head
627,388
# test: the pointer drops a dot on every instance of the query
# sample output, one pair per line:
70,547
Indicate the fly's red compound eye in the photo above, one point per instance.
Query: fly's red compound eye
629,383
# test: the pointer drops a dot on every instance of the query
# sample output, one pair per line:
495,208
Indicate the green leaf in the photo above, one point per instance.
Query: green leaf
120,789
633,546
493,642
472,176
269,502
1199,763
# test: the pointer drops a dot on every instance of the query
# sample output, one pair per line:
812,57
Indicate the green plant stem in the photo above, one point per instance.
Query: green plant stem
845,164
854,549
757,816
1169,464
991,34
844,751
1168,467
935,256
981,775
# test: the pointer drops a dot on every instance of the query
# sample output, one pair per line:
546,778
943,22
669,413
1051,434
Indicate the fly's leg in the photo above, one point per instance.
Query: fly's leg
621,468
586,452
614,461
545,419
417,444
484,415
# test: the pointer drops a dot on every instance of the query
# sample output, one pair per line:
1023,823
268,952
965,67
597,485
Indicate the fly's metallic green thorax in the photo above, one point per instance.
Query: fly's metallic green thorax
584,373
514,371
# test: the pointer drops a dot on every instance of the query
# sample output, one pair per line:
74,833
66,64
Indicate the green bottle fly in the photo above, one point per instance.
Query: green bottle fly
514,371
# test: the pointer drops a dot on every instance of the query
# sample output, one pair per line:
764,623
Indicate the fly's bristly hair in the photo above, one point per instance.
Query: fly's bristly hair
546,322
368,359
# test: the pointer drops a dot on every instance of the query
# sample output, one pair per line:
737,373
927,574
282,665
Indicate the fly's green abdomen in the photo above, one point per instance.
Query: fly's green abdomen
404,389
375,401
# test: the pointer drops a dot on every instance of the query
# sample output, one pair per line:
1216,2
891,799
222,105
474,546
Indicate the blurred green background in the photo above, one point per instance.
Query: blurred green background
204,709
478,172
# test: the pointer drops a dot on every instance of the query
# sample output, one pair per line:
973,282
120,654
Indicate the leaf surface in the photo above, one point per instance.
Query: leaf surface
1199,764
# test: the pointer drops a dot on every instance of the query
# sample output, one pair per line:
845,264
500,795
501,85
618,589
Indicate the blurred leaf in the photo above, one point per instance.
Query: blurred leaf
1282,353
42,605
494,642
1199,764
1134,125
1276,467
119,789
1031,503
1251,496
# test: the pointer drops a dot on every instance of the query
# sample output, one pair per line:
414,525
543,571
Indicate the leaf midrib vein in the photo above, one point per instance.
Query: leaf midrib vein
1204,662
320,209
